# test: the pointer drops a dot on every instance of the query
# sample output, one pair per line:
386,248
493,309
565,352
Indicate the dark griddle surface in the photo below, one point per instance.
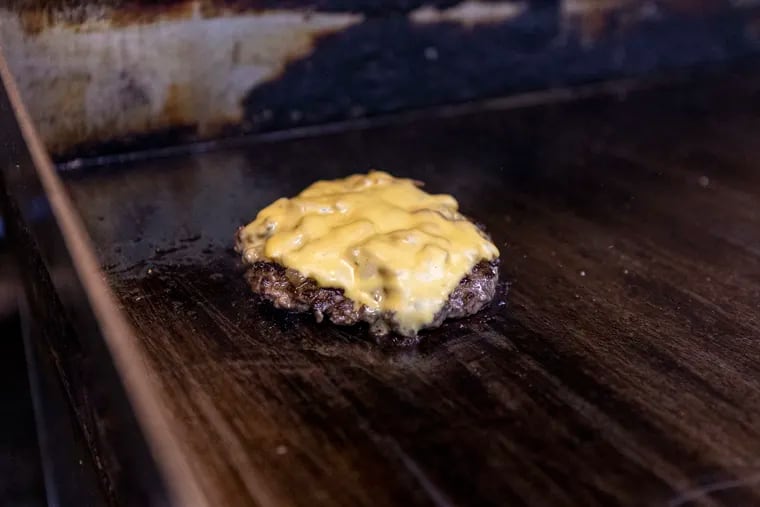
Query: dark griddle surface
623,369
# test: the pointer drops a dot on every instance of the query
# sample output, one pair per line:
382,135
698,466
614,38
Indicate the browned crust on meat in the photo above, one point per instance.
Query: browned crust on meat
289,290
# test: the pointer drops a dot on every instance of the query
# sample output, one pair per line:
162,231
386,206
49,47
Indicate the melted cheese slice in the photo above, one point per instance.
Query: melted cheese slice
389,245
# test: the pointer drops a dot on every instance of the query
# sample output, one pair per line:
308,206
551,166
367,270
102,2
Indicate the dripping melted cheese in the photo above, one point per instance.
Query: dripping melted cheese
389,245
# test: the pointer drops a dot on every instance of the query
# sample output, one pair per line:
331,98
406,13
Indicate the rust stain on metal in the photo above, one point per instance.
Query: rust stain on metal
38,16
590,20
175,107
147,13
34,22
107,78
572,8
593,26
592,15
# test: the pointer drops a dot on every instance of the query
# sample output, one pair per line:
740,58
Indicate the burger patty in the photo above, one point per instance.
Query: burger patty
289,290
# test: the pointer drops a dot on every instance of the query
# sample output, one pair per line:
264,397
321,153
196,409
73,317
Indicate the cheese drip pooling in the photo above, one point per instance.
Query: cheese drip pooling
386,243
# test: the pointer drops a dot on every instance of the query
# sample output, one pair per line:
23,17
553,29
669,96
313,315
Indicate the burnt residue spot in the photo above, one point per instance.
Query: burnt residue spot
161,252
236,53
138,140
131,94
127,269
362,67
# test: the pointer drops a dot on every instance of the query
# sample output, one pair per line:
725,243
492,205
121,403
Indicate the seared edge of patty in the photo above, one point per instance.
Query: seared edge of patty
287,289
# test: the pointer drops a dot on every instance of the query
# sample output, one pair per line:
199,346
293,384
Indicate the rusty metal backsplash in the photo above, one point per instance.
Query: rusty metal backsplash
112,75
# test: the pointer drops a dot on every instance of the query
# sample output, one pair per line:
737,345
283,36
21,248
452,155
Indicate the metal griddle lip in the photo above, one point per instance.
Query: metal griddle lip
619,88
616,87
115,331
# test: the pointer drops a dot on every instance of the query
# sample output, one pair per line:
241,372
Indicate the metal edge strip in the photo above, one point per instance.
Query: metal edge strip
183,488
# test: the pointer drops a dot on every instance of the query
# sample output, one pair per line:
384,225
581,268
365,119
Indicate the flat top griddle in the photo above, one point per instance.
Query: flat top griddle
620,370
